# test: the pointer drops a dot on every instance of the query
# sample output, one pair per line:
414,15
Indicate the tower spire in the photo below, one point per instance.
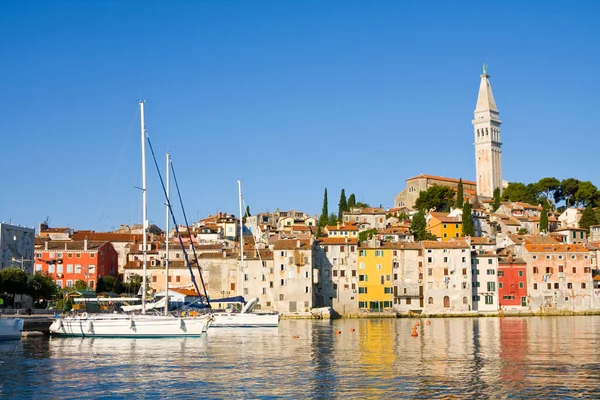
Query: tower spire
488,148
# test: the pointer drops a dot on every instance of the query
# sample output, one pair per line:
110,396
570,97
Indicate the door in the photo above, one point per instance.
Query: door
446,302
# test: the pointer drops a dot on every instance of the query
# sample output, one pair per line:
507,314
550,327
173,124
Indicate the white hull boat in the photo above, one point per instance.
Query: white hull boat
135,326
246,318
11,328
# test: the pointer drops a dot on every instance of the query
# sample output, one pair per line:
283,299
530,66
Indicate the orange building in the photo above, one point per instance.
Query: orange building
69,261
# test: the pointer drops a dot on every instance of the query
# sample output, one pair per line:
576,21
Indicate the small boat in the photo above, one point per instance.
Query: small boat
246,318
11,328
133,325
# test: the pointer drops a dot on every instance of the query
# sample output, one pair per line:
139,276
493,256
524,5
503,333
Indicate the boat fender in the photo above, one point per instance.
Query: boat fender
131,324
89,326
84,315
181,324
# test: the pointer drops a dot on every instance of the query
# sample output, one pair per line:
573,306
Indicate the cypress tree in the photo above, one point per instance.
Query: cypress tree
324,211
467,221
342,205
588,218
496,203
544,219
351,201
459,195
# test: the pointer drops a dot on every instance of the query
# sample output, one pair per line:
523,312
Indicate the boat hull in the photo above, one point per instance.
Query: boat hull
11,328
239,320
139,326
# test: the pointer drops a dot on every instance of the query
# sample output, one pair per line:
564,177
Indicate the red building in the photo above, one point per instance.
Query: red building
512,283
71,260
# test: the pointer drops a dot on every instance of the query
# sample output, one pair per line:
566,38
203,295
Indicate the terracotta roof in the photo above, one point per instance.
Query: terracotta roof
443,217
348,227
440,178
481,240
569,229
67,245
557,248
537,239
292,244
394,230
593,245
107,236
434,244
337,240
300,228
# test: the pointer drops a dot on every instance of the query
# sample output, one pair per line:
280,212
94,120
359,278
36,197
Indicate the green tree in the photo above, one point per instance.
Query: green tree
460,197
366,235
41,286
107,284
246,214
360,204
332,220
588,218
496,204
467,220
14,281
79,285
438,198
342,205
351,201
568,188
324,211
587,194
517,191
418,227
522,231
547,187
544,219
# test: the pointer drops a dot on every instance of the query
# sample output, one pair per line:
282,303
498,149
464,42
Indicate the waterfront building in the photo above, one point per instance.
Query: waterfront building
344,231
293,275
16,247
407,268
335,259
72,260
570,217
417,184
512,283
485,280
570,235
488,148
375,286
121,242
594,233
559,277
447,276
446,226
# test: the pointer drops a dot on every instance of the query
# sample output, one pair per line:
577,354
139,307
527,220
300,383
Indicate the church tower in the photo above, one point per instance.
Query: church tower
488,153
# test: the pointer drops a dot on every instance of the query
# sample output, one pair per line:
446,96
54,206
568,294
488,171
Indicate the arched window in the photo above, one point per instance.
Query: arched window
487,132
446,302
465,300
430,300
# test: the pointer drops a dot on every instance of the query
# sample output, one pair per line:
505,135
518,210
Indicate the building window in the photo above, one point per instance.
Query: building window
556,286
154,278
491,286
445,259
491,272
362,290
535,270
430,300
500,273
520,273
521,285
387,290
489,299
408,301
362,278
429,260
583,285
549,286
281,297
499,285
535,286
445,271
569,285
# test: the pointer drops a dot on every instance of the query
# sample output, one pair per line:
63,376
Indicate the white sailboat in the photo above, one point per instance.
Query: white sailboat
246,318
123,325
11,328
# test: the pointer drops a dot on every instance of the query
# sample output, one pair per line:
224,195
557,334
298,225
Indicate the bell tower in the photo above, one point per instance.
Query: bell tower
488,148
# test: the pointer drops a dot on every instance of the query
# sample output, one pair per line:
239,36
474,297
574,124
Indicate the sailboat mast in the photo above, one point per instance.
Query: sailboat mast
167,240
241,235
144,207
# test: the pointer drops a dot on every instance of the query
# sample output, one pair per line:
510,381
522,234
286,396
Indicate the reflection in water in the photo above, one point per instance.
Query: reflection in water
546,357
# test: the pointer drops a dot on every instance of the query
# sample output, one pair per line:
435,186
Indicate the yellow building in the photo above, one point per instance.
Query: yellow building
444,226
375,288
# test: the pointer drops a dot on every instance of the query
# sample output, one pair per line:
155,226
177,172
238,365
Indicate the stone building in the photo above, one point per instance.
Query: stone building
16,247
420,183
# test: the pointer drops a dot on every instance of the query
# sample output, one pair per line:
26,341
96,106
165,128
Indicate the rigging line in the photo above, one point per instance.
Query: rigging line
173,217
187,225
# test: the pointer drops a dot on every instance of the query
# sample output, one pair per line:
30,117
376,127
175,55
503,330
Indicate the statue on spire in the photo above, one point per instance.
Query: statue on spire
485,69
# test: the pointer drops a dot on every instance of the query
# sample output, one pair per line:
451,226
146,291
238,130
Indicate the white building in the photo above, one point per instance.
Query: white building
16,247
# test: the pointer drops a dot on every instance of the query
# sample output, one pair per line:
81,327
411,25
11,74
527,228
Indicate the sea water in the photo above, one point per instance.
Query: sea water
533,357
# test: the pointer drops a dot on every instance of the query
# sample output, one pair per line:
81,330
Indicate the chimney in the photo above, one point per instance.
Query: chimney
298,243
85,244
46,245
224,253
338,225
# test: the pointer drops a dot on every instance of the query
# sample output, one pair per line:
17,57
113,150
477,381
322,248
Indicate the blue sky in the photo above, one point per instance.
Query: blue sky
289,96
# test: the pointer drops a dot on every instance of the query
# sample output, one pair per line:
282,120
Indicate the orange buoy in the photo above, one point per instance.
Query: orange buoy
338,331
352,329
428,322
295,337
414,333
